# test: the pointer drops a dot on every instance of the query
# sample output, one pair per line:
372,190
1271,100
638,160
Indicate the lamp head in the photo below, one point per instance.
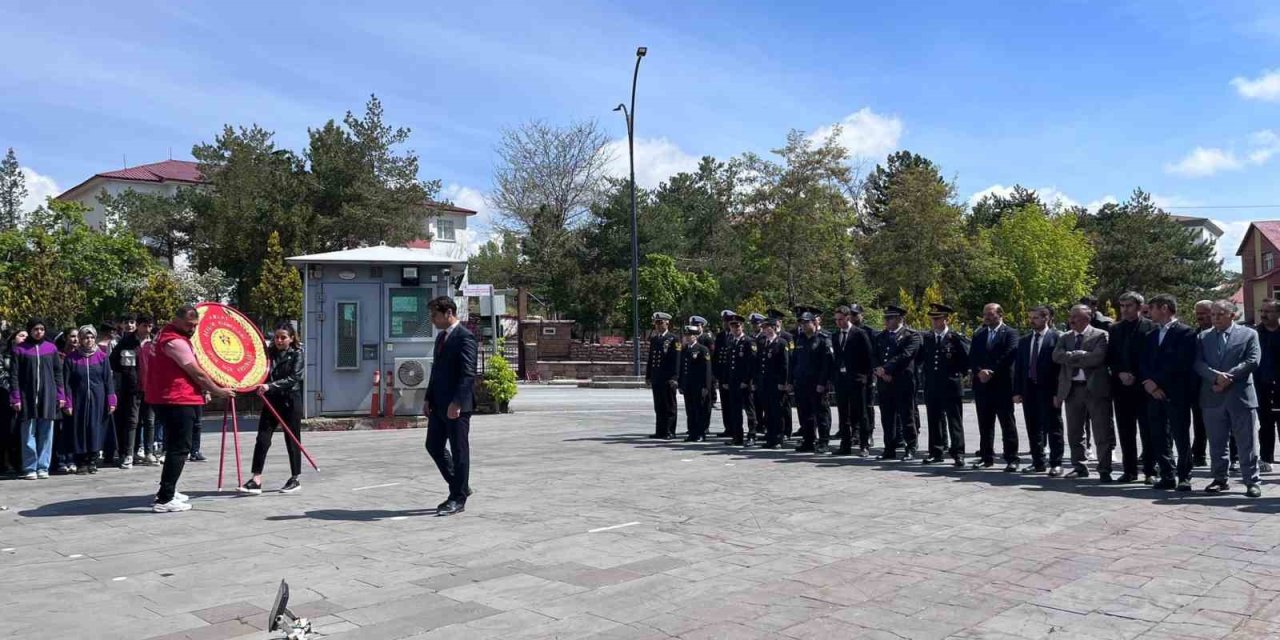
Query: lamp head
620,107
641,51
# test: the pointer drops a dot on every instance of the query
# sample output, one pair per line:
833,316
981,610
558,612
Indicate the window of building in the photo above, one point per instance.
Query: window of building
444,230
408,315
1268,261
348,335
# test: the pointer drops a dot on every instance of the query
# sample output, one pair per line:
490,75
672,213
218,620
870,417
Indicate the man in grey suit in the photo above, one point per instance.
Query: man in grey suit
1084,386
1225,360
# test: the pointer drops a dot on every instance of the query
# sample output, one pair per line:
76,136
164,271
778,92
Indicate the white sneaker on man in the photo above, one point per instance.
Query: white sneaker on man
181,497
173,506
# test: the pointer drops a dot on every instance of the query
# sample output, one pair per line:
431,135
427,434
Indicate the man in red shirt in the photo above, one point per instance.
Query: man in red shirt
175,386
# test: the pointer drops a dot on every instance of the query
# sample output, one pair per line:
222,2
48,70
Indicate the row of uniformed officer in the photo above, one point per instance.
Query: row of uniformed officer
661,376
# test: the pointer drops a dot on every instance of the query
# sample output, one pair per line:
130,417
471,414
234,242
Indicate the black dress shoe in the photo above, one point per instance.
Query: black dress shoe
982,465
690,439
1217,486
844,451
822,448
1078,473
1011,468
737,442
1105,478
1183,485
907,457
771,446
1253,491
931,460
864,452
1126,478
887,456
1165,484
450,508
804,448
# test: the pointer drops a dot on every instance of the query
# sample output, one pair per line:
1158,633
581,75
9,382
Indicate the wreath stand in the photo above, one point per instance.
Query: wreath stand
230,413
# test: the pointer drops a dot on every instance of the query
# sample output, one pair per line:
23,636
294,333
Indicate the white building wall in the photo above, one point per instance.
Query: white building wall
96,218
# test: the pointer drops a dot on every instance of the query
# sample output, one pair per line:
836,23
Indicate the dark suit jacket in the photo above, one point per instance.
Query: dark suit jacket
854,357
1125,345
897,354
942,364
998,358
453,372
1169,363
1046,368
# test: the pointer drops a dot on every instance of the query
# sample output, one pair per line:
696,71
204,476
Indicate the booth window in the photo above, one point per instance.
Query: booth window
444,230
409,315
348,335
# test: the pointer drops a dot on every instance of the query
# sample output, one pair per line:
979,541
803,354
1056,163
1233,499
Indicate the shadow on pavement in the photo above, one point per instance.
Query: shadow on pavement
1028,482
363,515
101,506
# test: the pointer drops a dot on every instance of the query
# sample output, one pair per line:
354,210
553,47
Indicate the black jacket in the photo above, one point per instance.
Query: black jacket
288,368
998,357
852,359
773,364
124,362
811,361
1170,363
1046,369
897,353
1125,345
695,369
662,359
943,364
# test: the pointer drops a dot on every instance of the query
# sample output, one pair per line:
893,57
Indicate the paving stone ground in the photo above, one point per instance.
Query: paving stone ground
582,528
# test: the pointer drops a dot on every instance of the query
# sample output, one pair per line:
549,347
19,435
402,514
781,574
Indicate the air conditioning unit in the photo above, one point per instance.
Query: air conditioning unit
411,373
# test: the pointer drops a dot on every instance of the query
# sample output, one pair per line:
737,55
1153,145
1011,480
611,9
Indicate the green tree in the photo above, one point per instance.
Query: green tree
664,287
993,207
13,190
1031,258
877,189
163,222
1140,248
159,297
497,262
278,295
207,286
918,238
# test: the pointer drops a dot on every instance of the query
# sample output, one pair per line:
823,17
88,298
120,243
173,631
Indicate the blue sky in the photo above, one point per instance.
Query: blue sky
1082,100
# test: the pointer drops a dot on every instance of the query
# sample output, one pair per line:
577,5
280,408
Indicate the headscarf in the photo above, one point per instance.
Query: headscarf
93,346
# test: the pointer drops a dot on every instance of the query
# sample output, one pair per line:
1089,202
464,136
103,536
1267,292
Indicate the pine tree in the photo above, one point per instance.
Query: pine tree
278,295
13,190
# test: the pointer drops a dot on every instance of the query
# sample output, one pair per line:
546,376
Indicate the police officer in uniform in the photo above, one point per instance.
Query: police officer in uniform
757,322
788,397
943,360
718,355
774,366
895,374
707,340
810,375
695,383
738,367
661,376
853,357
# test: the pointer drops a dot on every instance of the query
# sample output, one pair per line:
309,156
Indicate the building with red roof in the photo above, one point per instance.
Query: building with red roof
1258,252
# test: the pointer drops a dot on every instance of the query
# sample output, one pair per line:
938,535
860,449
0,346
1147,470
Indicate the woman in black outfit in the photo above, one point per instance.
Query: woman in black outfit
284,390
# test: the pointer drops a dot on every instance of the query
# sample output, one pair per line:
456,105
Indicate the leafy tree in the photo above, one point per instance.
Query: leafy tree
919,237
278,295
13,190
1028,259
993,207
208,286
1139,247
159,297
497,262
917,311
165,223
663,287
877,189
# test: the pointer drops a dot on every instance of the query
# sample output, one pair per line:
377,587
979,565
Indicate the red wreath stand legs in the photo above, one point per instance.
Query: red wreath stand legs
230,412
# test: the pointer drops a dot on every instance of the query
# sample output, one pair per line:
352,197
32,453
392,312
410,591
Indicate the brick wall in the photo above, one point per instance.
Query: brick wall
606,353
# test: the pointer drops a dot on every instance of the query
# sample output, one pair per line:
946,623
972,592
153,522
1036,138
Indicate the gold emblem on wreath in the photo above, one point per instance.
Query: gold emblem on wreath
227,345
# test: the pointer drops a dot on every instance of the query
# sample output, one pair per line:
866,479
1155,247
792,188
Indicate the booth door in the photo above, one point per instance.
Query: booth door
351,329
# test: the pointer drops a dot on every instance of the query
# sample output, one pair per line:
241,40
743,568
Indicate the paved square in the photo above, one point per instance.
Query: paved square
582,528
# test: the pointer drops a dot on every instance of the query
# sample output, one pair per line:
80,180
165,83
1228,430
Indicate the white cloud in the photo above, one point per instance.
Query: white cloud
656,160
1265,87
38,188
1203,162
1094,205
1232,235
1174,202
865,133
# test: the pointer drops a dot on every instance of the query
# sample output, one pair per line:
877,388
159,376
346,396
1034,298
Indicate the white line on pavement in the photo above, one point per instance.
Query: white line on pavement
376,486
616,526
589,411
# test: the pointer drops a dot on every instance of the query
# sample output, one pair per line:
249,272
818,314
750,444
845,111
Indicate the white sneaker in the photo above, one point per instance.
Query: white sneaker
172,506
43,475
181,497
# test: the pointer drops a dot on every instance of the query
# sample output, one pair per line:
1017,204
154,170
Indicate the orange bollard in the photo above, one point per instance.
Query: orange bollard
377,393
389,403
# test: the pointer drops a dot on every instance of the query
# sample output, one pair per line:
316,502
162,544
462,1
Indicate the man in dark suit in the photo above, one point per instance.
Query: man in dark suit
811,374
867,436
695,383
774,368
852,349
895,373
1035,385
718,355
450,401
1199,437
1267,382
1171,385
661,376
737,370
991,361
788,397
943,360
1124,352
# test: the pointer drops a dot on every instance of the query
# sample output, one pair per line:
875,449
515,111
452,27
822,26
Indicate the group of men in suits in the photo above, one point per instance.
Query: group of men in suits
1145,378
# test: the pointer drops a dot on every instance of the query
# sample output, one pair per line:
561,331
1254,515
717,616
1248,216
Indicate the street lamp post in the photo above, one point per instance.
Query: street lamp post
635,228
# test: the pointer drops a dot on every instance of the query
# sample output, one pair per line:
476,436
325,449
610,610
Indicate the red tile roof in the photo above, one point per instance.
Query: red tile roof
1270,230
449,208
167,171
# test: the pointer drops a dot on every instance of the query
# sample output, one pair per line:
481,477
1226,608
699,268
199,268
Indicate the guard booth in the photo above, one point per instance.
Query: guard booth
366,328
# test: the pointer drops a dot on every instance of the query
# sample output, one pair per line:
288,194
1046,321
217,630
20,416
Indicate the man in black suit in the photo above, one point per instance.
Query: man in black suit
868,437
1170,382
1266,382
991,361
1199,437
895,373
737,370
1124,353
852,349
811,374
943,360
695,383
1035,385
774,366
661,376
450,401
